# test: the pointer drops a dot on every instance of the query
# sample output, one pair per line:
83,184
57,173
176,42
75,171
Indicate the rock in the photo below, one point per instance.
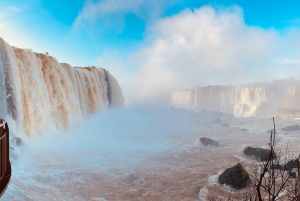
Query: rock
212,117
277,140
291,128
215,114
236,176
291,174
277,167
16,141
225,125
216,121
244,129
207,141
271,130
12,154
292,164
259,153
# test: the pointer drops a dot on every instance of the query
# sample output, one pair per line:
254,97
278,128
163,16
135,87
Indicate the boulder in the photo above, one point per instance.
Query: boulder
292,164
207,141
216,121
291,128
271,130
16,141
291,174
277,167
259,153
236,176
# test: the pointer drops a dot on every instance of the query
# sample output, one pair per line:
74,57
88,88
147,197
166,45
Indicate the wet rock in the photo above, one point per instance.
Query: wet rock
271,130
207,141
214,114
12,154
277,167
291,174
216,121
236,176
259,153
291,128
292,164
16,141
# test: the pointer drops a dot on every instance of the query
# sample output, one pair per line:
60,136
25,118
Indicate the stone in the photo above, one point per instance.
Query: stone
291,128
291,174
271,130
236,176
259,153
292,164
216,121
16,141
277,167
207,141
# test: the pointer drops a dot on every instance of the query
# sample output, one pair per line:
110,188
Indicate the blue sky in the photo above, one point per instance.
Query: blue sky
129,36
50,23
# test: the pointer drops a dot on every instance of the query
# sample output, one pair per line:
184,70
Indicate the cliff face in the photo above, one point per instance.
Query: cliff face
242,101
38,93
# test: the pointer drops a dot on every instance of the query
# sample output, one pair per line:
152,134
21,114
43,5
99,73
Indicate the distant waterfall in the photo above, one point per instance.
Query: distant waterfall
246,100
183,99
37,92
241,101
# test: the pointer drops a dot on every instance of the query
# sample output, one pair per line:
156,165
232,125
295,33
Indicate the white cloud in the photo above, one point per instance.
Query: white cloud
8,26
201,47
290,61
4,16
116,9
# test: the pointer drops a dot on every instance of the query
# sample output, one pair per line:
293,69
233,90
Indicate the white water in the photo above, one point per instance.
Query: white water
38,94
42,98
240,101
70,165
246,100
183,99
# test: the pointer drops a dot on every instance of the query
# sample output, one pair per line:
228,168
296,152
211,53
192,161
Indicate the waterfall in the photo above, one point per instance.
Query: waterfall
38,93
182,99
246,100
241,101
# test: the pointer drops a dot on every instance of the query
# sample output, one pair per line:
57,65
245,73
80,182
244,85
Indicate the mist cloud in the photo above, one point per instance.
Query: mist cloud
205,46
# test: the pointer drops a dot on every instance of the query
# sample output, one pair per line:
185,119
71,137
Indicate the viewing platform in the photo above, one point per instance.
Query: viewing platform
5,166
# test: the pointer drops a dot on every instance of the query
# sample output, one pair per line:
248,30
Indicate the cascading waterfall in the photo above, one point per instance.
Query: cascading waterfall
37,92
241,101
246,100
182,99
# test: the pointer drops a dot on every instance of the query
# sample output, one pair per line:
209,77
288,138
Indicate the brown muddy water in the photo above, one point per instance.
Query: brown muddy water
183,170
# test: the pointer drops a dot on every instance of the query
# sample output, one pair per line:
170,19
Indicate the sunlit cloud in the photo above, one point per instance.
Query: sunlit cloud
290,61
15,9
92,11
8,25
205,46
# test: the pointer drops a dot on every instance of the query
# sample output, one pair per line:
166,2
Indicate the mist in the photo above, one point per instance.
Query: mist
116,140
